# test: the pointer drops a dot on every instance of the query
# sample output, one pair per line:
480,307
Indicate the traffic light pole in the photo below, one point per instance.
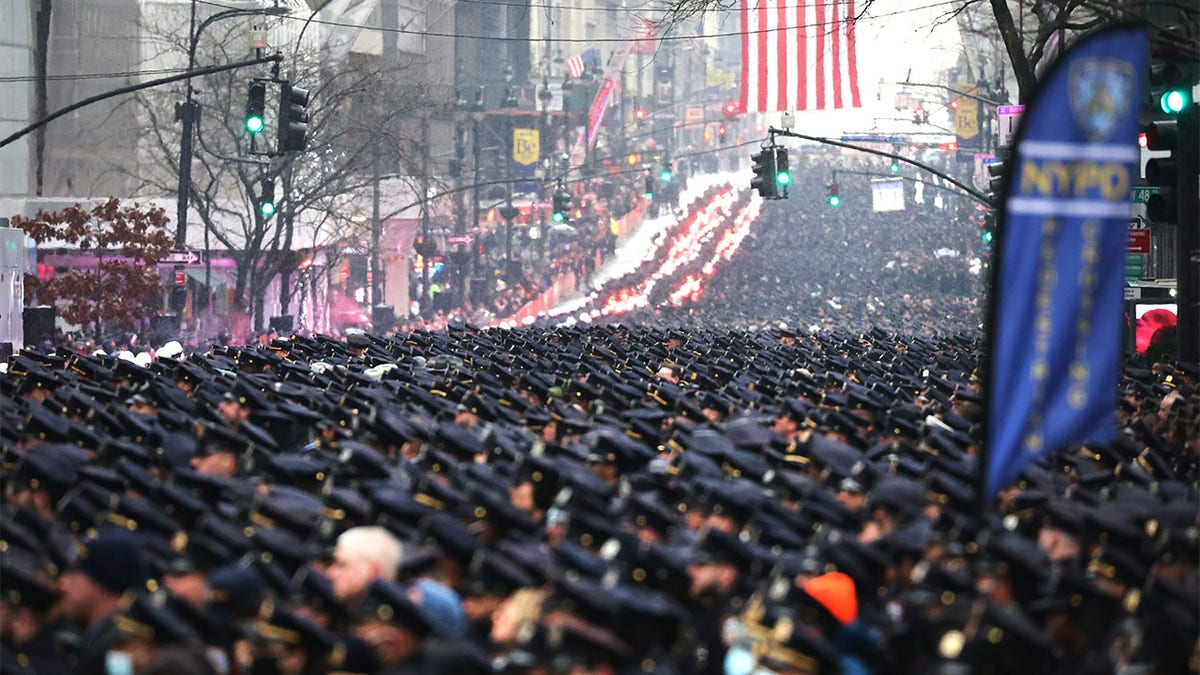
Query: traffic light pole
976,194
1187,236
188,114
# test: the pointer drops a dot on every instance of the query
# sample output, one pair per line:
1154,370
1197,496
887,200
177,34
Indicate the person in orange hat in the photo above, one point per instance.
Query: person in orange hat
832,608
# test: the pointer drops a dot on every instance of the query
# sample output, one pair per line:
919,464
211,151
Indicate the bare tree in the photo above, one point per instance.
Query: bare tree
354,128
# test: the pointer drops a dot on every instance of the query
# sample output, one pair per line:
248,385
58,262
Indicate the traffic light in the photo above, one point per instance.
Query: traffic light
765,179
649,194
256,104
835,200
995,172
561,204
1163,172
293,118
895,166
783,175
266,199
1171,83
667,174
639,115
731,108
721,131
989,226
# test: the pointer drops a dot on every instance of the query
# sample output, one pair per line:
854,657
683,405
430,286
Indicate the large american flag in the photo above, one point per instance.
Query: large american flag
798,55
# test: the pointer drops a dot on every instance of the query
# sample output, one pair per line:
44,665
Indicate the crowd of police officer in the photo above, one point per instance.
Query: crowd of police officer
790,493
607,499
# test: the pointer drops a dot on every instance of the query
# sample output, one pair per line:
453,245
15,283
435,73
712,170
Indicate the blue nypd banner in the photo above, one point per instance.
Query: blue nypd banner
1056,312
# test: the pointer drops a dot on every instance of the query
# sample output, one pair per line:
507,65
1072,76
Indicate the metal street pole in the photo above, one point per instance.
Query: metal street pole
1187,237
952,90
376,295
188,113
425,260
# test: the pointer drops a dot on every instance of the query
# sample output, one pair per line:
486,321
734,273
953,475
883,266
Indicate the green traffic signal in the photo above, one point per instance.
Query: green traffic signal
783,176
666,174
256,107
266,199
1174,101
561,202
835,201
895,167
987,236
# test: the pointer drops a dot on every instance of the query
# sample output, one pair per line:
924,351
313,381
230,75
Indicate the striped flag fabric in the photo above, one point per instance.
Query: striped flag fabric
798,55
576,65
645,35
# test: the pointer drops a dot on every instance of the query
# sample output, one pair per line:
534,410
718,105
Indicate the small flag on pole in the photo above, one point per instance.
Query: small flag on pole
799,55
577,65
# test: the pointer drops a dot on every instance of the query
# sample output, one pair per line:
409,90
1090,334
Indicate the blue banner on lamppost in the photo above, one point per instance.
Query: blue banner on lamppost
1056,313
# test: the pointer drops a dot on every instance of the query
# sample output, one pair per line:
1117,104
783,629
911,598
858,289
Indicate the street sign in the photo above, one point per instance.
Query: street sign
1133,293
694,114
1139,241
181,258
1009,118
180,277
1139,237
887,194
1141,195
981,161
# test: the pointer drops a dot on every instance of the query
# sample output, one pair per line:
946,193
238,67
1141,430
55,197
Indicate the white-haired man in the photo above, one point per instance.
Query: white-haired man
363,554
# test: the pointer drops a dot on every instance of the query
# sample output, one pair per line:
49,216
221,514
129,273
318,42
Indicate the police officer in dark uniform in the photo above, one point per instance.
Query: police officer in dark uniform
27,635
718,570
395,628
101,582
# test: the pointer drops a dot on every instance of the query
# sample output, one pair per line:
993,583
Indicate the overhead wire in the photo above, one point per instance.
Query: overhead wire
337,24
620,40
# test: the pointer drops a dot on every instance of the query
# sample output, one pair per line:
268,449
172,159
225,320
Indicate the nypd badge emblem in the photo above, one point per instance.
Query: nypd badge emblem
1100,90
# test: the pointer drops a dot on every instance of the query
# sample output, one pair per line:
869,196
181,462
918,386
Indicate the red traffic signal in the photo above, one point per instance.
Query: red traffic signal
639,114
731,108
